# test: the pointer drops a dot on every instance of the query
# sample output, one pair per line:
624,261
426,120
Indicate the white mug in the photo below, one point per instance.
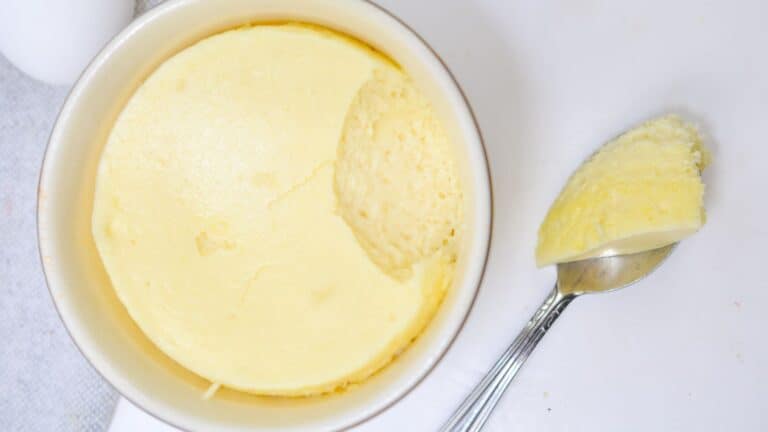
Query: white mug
96,320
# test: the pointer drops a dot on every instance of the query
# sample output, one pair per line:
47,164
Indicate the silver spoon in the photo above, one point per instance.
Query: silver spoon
589,276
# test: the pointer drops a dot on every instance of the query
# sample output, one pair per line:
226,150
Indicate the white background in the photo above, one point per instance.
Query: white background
550,81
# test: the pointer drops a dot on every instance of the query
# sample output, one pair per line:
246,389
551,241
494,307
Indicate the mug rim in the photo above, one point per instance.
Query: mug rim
82,82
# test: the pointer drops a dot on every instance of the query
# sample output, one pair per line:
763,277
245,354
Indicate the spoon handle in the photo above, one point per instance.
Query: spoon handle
472,414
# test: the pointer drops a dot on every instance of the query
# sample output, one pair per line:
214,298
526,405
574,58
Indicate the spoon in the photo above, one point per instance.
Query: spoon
596,275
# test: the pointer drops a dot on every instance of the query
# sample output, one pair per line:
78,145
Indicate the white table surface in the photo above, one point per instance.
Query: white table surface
549,81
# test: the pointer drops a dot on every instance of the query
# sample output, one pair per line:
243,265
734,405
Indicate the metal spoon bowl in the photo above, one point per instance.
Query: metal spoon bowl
596,275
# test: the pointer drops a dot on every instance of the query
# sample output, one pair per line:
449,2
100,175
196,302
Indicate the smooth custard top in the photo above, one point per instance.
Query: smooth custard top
217,217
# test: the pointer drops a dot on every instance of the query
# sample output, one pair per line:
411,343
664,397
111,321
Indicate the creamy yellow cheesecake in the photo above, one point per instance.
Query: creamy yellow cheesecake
279,210
639,192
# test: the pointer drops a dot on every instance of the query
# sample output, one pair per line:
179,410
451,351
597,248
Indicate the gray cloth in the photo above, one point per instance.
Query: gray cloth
45,384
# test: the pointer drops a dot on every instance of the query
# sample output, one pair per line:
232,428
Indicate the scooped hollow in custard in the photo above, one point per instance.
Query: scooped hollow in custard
639,192
395,178
216,218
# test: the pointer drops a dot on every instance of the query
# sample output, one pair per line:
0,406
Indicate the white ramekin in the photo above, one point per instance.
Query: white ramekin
81,291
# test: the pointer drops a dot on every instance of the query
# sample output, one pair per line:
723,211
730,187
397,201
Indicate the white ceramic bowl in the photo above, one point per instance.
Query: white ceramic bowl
81,290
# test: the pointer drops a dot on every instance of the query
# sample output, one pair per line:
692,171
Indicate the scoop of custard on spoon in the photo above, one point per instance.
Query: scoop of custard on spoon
618,217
